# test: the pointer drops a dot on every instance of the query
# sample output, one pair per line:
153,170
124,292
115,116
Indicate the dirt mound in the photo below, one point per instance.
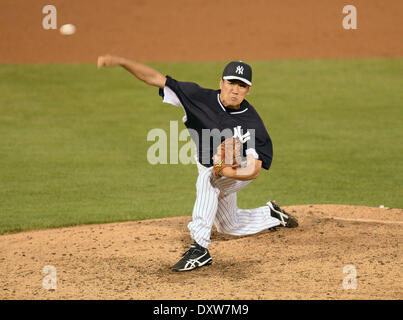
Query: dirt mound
132,260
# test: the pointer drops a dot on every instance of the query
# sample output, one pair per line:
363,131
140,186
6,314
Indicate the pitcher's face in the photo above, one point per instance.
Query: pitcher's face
233,92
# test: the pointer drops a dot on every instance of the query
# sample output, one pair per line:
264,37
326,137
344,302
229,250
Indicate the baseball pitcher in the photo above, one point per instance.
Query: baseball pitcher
233,146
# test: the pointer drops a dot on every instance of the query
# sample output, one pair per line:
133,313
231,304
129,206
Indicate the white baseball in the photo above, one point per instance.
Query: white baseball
67,29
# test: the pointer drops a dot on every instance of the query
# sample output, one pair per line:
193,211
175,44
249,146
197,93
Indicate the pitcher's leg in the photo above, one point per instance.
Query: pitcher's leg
232,220
204,210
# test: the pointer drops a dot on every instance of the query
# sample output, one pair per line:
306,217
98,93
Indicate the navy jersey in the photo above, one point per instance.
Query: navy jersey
209,122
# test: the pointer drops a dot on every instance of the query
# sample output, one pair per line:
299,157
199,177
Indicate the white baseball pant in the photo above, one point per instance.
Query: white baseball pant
216,203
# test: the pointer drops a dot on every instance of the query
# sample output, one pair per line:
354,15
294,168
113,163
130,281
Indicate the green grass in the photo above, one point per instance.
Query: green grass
73,140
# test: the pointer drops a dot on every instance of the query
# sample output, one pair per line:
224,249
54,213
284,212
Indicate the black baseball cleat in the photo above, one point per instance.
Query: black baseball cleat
195,257
286,220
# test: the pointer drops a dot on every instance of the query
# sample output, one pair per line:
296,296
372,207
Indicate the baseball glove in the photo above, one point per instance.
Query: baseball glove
228,155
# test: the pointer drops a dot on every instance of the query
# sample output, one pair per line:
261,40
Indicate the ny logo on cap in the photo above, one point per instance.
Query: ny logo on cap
239,70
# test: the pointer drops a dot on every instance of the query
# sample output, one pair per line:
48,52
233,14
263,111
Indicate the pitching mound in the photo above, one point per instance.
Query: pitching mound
132,260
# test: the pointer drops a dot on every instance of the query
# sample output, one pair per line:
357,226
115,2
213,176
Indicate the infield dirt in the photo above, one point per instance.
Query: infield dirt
199,30
132,260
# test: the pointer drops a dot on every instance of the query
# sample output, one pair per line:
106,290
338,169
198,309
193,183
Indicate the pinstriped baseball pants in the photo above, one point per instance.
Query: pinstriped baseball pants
216,203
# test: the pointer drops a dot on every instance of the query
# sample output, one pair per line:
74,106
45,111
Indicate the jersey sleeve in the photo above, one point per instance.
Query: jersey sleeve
179,93
169,96
260,145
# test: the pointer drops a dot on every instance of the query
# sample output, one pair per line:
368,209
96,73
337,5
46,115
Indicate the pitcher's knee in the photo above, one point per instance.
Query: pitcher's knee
225,227
204,182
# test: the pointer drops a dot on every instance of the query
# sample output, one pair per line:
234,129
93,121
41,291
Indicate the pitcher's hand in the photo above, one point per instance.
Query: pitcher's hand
108,61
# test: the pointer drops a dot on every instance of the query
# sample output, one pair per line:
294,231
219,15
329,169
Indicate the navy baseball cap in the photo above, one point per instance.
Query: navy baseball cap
238,70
